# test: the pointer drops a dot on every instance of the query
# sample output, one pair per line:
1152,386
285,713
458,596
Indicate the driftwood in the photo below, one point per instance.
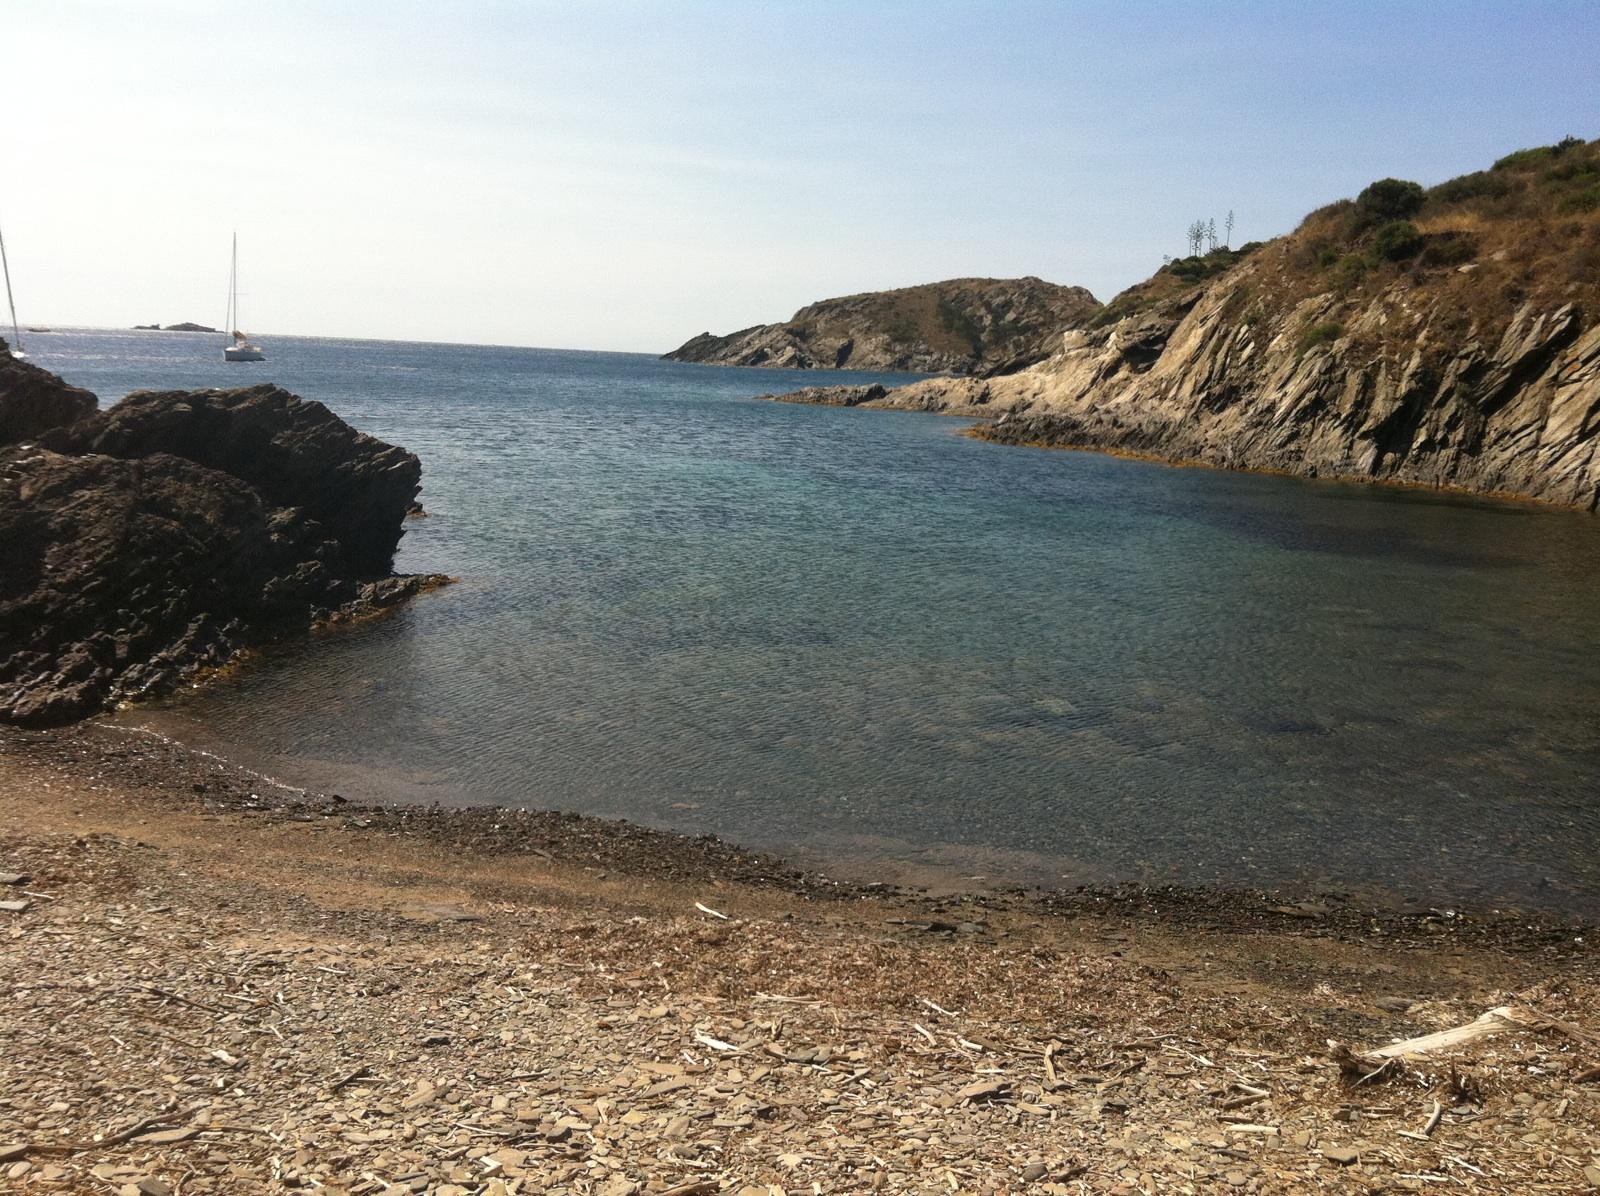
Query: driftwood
1496,1021
1370,1065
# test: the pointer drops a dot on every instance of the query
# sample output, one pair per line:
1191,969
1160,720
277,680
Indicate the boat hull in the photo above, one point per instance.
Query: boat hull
243,353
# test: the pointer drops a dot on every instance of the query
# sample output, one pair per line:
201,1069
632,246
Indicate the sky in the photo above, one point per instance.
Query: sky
602,175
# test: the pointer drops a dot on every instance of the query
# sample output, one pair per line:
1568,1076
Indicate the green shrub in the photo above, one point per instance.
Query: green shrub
1321,334
1387,200
1397,241
1352,268
1586,200
1522,159
1471,186
1572,171
1448,249
1327,256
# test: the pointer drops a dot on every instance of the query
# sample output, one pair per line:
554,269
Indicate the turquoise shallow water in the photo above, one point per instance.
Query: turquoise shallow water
863,638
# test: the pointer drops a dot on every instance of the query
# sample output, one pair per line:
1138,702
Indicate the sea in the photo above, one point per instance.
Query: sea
878,646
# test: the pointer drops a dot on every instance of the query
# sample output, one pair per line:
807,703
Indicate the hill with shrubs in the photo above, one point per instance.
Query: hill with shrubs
1442,336
960,326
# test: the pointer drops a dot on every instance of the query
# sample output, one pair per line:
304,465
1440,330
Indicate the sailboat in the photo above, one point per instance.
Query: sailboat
241,349
16,333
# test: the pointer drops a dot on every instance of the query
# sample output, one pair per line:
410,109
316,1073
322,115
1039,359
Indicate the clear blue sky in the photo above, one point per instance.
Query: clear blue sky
623,175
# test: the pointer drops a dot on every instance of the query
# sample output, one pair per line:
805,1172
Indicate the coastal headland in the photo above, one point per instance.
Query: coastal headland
1443,337
959,326
216,984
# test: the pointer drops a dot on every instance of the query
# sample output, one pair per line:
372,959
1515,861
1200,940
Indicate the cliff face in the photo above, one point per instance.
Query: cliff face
1455,345
964,326
173,530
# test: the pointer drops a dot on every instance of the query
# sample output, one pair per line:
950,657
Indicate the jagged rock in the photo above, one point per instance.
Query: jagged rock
832,396
296,453
175,530
33,400
964,325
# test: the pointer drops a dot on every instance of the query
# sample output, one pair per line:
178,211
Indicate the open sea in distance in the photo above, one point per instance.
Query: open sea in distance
867,641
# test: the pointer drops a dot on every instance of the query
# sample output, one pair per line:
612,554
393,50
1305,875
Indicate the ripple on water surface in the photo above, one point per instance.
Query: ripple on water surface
860,634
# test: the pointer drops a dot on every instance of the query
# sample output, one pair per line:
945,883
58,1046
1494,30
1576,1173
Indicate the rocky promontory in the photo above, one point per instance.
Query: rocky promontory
33,400
1445,337
962,326
174,530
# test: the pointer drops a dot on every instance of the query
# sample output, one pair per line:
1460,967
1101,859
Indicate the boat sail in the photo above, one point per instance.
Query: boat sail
241,349
16,333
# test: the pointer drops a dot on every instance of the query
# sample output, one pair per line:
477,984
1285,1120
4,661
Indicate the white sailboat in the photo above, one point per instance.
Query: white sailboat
241,349
16,333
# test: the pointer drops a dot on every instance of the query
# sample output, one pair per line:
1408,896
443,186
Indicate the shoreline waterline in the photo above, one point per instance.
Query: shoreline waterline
168,767
879,638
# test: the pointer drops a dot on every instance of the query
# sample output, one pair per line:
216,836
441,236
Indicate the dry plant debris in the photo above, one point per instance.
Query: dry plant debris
210,1002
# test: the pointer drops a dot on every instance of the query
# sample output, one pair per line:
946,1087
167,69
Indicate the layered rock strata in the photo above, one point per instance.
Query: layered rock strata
1444,337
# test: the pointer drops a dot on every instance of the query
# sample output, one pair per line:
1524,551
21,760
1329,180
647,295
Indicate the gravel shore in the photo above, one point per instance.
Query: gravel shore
212,984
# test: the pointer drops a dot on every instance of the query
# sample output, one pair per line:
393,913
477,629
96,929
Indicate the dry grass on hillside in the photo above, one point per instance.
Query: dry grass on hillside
1474,248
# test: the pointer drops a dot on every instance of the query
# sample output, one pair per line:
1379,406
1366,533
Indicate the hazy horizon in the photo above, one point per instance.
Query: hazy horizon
624,176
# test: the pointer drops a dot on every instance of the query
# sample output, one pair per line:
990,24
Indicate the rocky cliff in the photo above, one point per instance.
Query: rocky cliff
174,530
1444,337
963,326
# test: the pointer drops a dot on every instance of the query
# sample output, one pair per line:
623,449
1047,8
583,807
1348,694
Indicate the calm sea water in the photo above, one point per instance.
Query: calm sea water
863,638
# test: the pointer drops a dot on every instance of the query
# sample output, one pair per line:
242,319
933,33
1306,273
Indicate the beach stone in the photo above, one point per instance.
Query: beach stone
1034,1172
1345,1156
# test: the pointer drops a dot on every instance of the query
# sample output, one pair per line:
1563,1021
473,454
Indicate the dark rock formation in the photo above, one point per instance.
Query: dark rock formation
296,453
174,530
188,327
832,396
34,400
963,326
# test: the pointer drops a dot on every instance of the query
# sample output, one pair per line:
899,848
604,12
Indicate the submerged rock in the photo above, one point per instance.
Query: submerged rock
173,530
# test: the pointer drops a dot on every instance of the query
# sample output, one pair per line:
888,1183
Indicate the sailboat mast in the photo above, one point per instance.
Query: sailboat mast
233,290
5,267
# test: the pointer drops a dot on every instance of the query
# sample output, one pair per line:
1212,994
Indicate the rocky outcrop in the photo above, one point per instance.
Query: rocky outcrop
1519,415
296,453
963,326
173,531
1319,356
33,401
832,396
